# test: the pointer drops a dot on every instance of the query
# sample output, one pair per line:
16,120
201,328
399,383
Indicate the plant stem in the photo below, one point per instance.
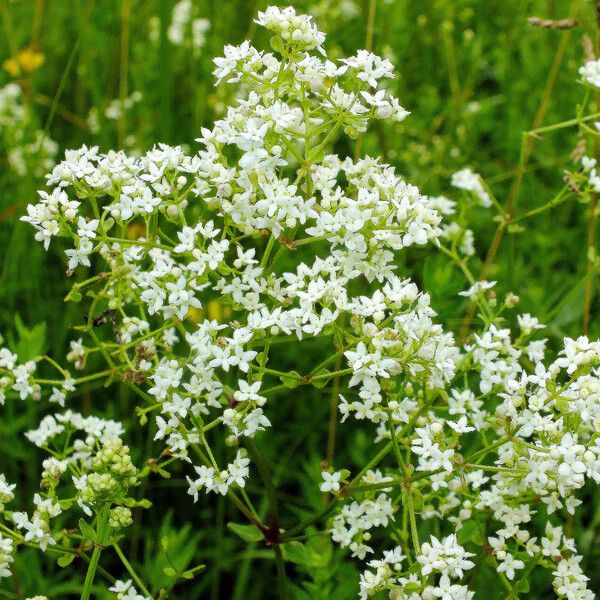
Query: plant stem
123,69
527,143
394,436
131,570
62,83
268,249
281,578
335,395
370,25
414,532
91,572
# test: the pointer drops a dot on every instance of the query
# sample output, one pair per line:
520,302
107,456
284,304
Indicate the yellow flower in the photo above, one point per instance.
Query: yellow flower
27,60
11,65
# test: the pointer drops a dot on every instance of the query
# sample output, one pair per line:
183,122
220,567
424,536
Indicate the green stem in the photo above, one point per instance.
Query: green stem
265,474
560,197
281,578
332,374
145,243
91,572
131,570
370,25
399,459
414,532
268,249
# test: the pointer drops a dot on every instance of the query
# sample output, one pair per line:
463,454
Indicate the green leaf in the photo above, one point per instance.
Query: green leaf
249,533
295,552
170,572
277,44
321,383
312,556
469,532
87,530
74,295
439,275
65,560
522,586
291,380
32,342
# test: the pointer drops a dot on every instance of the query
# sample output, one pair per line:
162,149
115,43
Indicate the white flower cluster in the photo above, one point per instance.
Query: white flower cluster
185,29
296,30
94,428
125,590
6,556
444,557
589,168
289,241
218,211
6,543
98,466
351,526
26,149
34,529
590,72
467,180
116,108
220,481
17,377
549,446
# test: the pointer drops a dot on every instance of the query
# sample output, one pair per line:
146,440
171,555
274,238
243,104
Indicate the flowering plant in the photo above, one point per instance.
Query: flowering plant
195,269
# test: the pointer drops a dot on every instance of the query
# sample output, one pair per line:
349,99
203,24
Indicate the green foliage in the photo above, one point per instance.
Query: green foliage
31,342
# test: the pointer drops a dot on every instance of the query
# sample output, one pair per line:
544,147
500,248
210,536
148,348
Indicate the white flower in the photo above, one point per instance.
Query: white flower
6,556
444,556
470,181
249,392
528,324
35,529
477,289
370,67
293,28
461,425
509,564
80,255
590,72
331,481
125,590
87,229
